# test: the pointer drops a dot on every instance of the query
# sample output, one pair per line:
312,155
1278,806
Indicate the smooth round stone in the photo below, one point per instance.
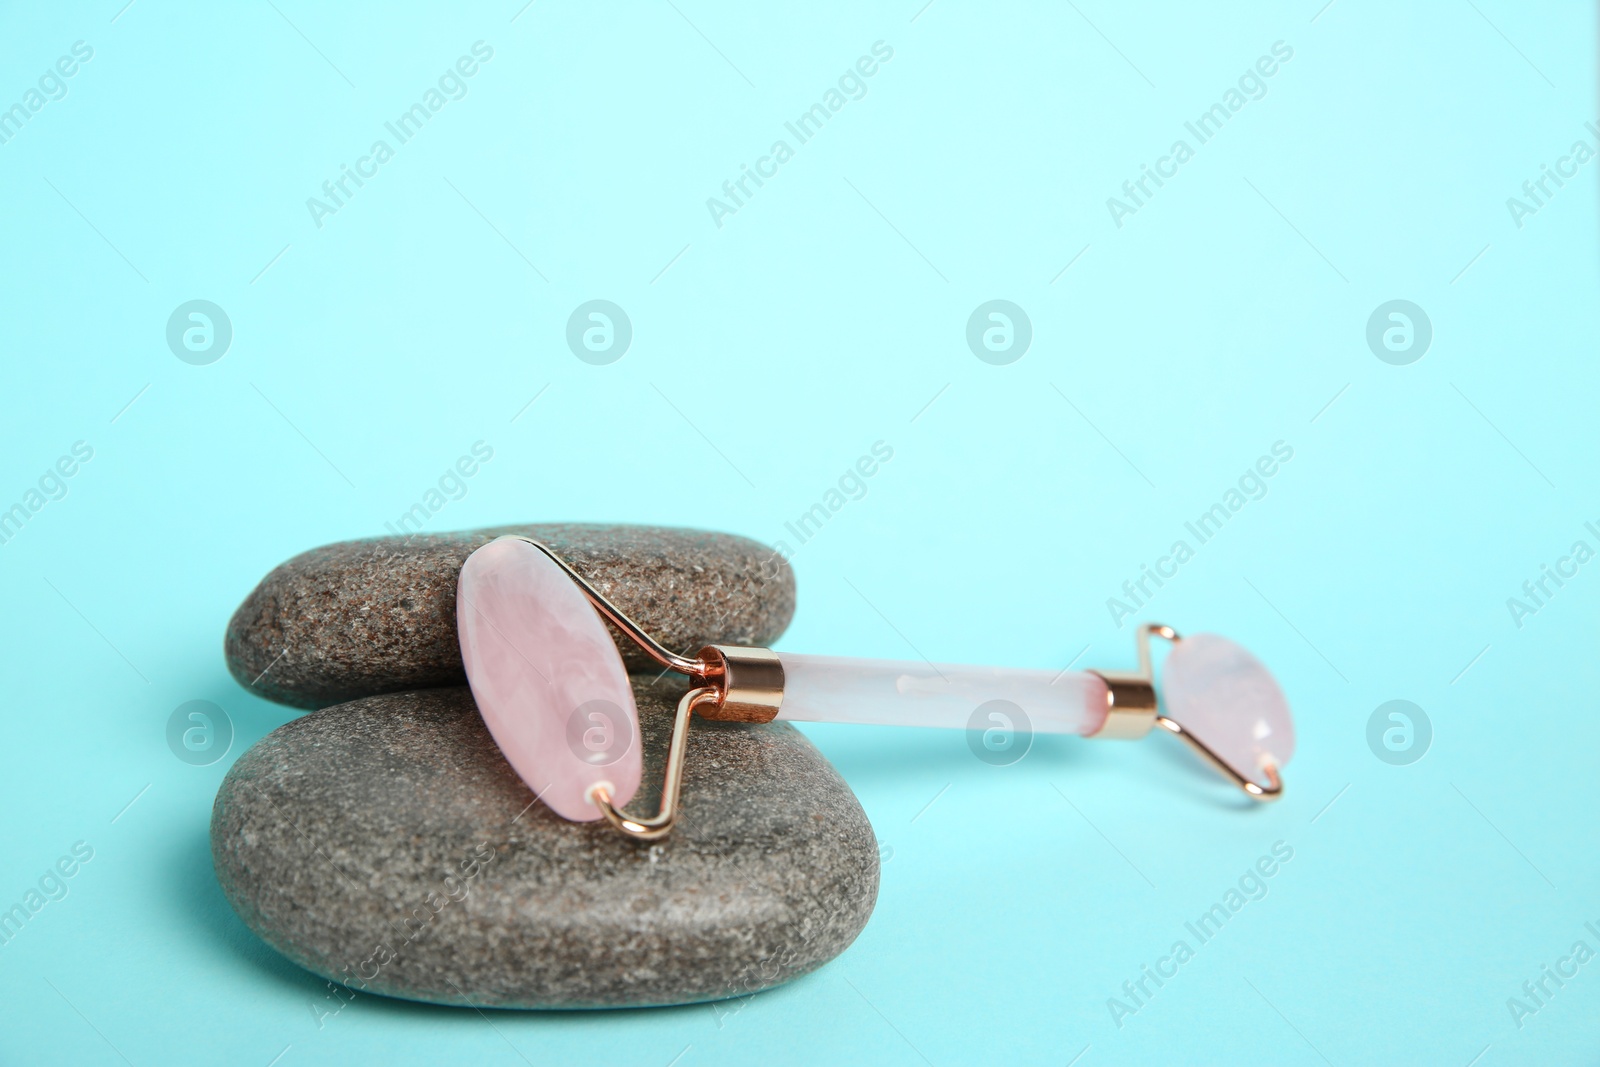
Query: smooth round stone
379,615
1216,690
386,844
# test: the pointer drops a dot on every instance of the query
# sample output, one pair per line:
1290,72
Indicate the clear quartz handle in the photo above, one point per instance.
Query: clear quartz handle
913,693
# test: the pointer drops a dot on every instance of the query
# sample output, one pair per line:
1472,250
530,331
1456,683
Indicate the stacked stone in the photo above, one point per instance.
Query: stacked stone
384,843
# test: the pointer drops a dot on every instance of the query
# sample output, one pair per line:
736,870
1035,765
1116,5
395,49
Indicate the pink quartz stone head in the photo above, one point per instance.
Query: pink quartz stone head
1224,696
547,678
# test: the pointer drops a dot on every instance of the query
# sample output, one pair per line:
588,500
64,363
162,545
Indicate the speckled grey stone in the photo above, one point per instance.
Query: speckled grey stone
387,845
379,615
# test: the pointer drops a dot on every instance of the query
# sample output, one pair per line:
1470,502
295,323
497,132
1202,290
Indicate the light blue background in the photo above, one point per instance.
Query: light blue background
1227,314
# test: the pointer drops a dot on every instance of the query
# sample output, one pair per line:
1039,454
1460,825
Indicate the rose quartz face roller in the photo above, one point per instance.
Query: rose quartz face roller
553,691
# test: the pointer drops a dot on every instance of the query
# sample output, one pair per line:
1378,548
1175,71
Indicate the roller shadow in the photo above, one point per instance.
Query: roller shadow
870,757
1187,775
889,755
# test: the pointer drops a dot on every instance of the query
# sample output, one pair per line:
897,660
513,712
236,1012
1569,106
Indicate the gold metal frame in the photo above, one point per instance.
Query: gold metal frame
660,824
1271,791
738,683
741,683
1131,695
1131,713
654,649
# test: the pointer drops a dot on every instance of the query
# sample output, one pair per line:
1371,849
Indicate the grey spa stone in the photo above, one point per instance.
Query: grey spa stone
386,844
355,618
